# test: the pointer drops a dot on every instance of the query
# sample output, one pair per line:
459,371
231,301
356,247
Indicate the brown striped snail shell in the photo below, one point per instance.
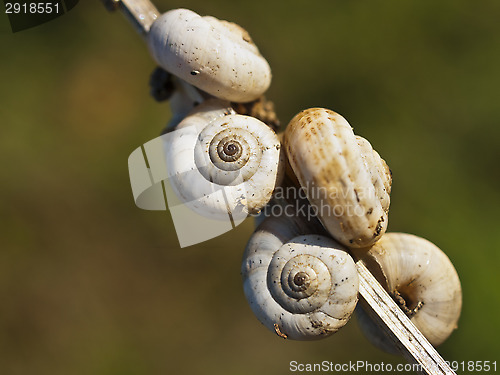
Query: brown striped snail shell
345,180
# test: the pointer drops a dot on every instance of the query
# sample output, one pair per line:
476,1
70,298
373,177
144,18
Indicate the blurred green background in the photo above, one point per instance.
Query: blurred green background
90,284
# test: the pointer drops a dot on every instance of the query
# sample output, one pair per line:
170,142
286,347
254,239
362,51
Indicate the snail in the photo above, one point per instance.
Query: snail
216,56
421,279
181,104
221,163
182,101
300,285
344,179
182,96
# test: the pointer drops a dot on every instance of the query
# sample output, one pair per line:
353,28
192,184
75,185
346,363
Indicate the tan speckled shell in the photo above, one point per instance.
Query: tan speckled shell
418,271
343,177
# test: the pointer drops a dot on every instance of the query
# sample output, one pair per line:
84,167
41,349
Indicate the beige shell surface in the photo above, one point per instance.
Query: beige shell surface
421,279
222,163
301,286
216,56
182,101
343,177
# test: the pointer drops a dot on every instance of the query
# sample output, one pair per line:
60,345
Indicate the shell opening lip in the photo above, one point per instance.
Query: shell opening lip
407,302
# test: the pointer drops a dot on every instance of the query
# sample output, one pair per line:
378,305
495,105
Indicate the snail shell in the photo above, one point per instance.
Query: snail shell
222,163
302,286
421,279
216,56
345,180
183,100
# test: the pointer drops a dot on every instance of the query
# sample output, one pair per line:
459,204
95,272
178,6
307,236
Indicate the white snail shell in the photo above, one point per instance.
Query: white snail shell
343,177
301,286
182,102
421,279
216,56
222,163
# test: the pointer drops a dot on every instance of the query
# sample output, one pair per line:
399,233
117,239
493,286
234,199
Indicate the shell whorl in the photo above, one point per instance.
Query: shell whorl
216,56
421,279
182,101
343,177
222,163
302,286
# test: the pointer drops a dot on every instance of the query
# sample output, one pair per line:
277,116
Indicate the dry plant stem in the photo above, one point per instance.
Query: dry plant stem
408,339
141,13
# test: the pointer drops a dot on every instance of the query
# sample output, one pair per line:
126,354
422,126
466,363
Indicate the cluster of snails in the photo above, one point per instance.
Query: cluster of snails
298,270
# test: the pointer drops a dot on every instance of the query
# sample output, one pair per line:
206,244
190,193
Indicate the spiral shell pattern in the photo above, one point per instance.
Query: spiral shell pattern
344,179
222,163
302,286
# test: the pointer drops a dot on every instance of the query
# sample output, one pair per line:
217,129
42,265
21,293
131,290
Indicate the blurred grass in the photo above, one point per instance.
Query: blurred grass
92,285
